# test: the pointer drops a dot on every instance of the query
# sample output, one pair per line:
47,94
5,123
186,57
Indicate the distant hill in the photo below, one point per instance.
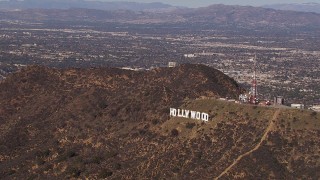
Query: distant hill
113,123
303,7
245,16
67,4
248,15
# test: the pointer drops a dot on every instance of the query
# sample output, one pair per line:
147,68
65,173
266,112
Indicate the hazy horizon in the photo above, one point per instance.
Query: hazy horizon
200,3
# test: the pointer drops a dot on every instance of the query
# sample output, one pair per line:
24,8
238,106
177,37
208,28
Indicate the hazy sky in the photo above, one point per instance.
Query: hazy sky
197,3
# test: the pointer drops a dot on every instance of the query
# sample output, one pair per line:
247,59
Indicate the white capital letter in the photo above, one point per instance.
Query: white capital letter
198,115
173,112
180,113
193,115
186,113
205,117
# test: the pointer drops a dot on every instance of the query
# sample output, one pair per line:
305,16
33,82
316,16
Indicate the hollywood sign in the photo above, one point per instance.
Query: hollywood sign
189,114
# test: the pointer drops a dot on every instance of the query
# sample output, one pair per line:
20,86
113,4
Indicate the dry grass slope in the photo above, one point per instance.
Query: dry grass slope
111,123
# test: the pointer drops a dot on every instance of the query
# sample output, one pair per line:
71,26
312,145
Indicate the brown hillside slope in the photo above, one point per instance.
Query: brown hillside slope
112,123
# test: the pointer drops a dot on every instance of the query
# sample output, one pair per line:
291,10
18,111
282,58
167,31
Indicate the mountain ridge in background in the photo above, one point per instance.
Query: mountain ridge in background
249,15
302,7
99,5
242,16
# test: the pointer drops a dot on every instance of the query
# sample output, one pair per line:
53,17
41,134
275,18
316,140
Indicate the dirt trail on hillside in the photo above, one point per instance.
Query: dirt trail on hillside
263,138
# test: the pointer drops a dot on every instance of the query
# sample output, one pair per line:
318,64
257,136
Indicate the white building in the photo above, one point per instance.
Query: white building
315,108
278,100
189,55
297,106
172,64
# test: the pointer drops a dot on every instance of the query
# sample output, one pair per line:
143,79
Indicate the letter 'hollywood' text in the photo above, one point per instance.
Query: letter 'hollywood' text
189,114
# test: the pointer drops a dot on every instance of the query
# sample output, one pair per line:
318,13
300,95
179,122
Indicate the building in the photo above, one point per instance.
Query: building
172,64
243,98
189,55
297,106
315,108
278,100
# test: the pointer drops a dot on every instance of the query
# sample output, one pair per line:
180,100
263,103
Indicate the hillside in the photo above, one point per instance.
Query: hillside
112,123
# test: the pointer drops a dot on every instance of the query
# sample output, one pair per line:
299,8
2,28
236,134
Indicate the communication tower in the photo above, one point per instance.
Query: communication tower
253,99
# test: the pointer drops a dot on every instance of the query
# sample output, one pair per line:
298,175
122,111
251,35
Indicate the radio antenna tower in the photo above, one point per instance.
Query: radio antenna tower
254,92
